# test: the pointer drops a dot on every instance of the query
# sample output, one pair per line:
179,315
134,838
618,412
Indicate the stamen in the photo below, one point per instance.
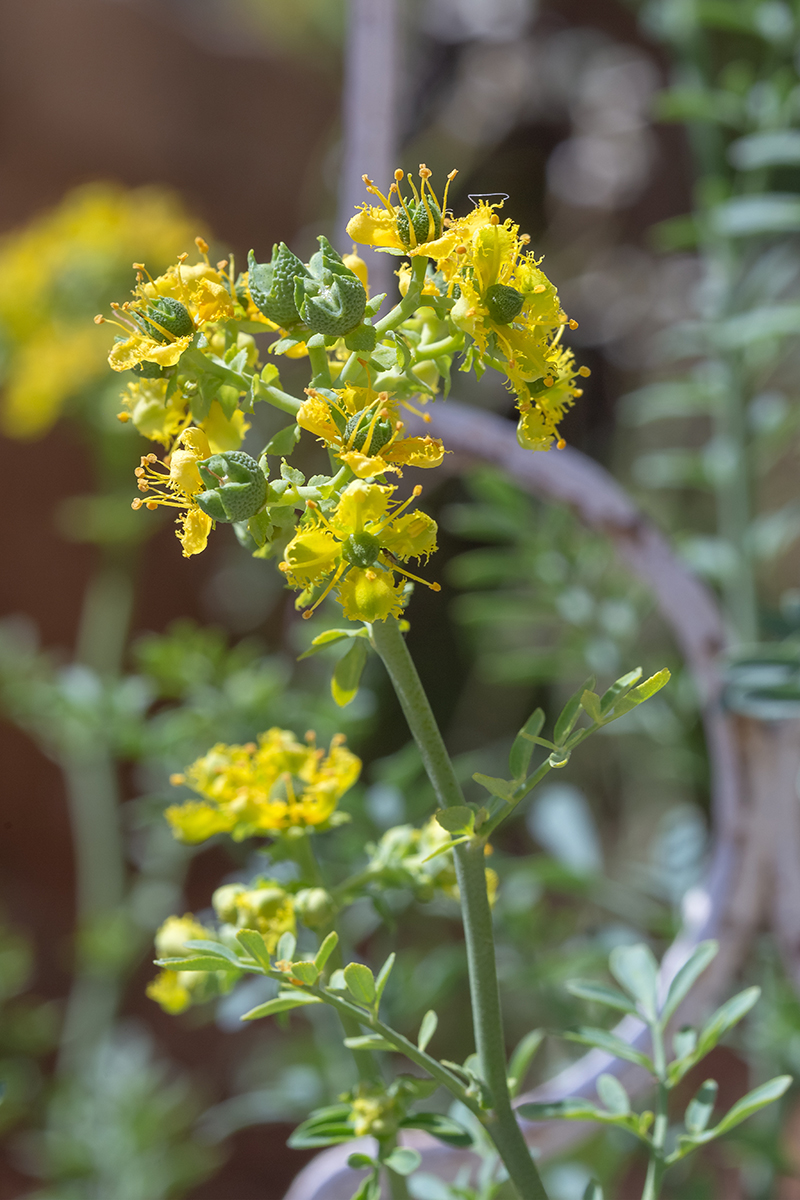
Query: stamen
435,587
335,579
396,512
450,179
202,246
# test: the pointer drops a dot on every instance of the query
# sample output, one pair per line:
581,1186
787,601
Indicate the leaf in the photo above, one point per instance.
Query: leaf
619,688
684,1041
456,819
368,1041
198,962
593,1191
306,972
284,441
215,949
347,673
686,977
759,1098
572,1109
746,216
360,983
773,149
498,787
570,713
286,947
326,950
590,703
522,1058
521,751
636,969
283,1002
403,1160
701,1106
613,1095
361,1162
641,693
602,1040
586,989
255,946
444,1128
328,637
383,977
325,1127
292,474
715,1028
427,1029
337,983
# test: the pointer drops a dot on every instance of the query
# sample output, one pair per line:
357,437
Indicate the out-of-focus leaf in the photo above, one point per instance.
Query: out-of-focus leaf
777,148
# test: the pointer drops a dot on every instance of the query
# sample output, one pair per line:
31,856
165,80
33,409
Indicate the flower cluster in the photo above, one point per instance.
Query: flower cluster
470,287
262,789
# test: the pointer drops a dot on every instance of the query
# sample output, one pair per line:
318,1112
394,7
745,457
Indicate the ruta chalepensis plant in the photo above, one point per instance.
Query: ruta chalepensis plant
469,288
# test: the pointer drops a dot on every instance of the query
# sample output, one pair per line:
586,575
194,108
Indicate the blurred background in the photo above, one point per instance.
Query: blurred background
634,143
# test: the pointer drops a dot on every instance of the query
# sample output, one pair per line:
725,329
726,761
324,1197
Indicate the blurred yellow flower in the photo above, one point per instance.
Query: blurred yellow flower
261,789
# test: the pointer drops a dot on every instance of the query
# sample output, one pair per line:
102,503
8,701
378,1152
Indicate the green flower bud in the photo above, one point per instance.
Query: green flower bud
358,428
272,285
237,488
314,907
164,319
503,303
330,298
226,900
426,219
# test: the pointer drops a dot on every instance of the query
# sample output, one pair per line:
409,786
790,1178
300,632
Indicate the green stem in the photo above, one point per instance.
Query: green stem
278,399
318,357
478,932
398,1188
656,1166
410,302
448,345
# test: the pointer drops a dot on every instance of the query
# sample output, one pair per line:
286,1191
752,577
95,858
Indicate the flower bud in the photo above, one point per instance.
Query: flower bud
314,907
236,486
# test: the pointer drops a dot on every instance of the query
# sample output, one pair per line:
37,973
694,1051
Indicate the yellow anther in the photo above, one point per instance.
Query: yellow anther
99,319
537,291
573,324
561,444
124,417
202,245
584,371
398,175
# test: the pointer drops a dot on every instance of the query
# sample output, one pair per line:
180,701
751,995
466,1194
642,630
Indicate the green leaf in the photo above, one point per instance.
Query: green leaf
684,1041
360,983
255,946
572,1109
767,213
215,949
457,819
590,703
687,976
586,989
427,1029
759,1098
444,1128
498,787
326,950
603,1040
368,1041
701,1106
570,713
522,1058
613,1095
198,962
283,1002
361,1162
328,637
777,148
619,688
715,1028
383,977
347,673
284,441
639,694
306,972
403,1160
593,1191
522,750
325,1127
286,947
337,983
636,969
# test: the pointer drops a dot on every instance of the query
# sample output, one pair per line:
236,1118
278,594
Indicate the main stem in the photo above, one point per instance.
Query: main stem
656,1166
501,1123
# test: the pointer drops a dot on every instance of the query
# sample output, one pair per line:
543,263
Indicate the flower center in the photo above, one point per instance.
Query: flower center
362,434
361,549
503,303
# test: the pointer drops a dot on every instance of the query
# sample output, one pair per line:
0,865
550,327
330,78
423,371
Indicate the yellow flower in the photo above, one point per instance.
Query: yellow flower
156,416
56,362
357,550
405,227
171,990
542,405
261,789
174,484
363,431
165,313
175,991
266,907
